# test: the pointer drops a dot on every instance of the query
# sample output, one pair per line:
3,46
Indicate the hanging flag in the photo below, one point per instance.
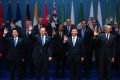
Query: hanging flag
18,17
1,17
117,17
99,14
91,10
45,18
27,12
35,22
54,16
54,8
9,14
107,13
63,13
72,14
81,12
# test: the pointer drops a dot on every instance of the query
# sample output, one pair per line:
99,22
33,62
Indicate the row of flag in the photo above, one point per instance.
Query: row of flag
63,17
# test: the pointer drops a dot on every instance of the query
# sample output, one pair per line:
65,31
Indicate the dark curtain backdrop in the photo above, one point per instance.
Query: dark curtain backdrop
86,6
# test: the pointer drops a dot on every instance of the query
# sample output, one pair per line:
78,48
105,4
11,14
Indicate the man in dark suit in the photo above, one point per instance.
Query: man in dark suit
74,46
106,43
68,27
37,27
29,46
42,53
15,54
87,35
59,53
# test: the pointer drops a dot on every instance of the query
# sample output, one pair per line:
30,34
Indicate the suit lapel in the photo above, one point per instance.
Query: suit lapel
76,41
71,42
39,40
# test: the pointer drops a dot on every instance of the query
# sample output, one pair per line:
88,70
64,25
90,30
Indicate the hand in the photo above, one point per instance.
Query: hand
23,60
55,18
113,60
5,31
53,33
82,59
50,58
65,38
30,28
0,54
95,33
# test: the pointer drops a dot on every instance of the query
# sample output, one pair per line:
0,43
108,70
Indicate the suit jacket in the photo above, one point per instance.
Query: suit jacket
88,35
42,52
66,31
75,52
28,45
106,47
58,45
14,53
36,29
49,29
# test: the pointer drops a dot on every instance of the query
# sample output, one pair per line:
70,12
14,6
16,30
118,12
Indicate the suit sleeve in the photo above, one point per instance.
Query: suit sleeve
114,48
50,48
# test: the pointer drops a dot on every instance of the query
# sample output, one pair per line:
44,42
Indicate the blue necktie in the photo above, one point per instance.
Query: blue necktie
42,39
83,32
15,42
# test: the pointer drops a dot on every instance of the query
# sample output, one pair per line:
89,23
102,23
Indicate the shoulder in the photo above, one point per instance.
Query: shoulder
48,37
102,34
79,38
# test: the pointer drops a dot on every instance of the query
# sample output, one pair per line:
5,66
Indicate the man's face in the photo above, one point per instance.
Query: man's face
40,20
74,32
27,24
83,24
15,33
42,31
60,27
68,22
108,29
94,22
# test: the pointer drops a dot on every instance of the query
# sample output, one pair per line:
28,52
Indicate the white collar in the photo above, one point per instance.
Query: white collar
74,37
16,38
43,36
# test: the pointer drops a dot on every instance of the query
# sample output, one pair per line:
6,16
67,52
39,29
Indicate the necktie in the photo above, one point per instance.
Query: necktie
83,32
68,28
60,35
42,39
108,36
15,42
73,40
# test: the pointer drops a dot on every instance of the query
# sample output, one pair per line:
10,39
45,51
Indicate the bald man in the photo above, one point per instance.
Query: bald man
106,55
42,53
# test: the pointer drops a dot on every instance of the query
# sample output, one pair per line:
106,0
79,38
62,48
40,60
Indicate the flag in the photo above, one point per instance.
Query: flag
1,17
99,14
54,15
35,22
18,17
117,17
107,13
45,18
9,14
91,10
72,13
54,8
63,13
81,12
27,12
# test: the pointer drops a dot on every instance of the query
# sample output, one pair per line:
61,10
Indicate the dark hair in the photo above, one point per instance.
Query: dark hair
15,29
75,28
85,21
